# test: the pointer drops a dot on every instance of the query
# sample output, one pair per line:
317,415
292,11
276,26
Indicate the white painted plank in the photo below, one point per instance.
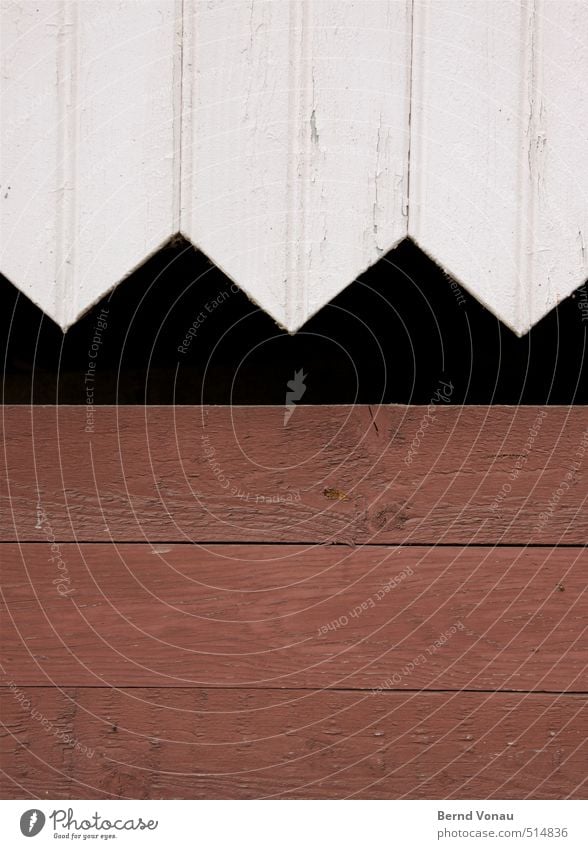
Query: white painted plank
560,162
87,156
295,143
499,131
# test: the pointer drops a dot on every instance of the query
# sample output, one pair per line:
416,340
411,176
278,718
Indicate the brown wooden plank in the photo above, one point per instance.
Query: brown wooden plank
295,616
333,474
202,744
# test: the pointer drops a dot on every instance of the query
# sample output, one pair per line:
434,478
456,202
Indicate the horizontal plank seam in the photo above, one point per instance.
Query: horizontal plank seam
292,688
304,543
172,407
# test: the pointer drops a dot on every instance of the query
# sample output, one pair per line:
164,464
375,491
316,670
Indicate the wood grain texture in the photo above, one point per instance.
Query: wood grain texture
499,118
295,139
87,159
419,665
202,744
289,616
394,475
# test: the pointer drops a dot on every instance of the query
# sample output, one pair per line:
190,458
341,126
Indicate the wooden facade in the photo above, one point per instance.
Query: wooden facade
289,601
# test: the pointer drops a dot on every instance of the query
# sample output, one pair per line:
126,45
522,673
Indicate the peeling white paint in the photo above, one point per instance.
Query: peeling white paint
282,169
86,101
499,143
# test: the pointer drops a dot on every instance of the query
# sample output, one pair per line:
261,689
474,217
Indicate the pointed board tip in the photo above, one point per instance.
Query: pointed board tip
65,318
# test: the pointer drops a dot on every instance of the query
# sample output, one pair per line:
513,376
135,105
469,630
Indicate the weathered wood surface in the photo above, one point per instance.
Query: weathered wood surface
295,138
88,177
333,474
136,665
295,143
151,743
499,119
288,616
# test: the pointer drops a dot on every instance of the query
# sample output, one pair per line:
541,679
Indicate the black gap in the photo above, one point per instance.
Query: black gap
402,333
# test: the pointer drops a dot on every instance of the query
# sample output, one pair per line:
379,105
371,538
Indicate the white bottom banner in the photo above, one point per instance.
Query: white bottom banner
345,824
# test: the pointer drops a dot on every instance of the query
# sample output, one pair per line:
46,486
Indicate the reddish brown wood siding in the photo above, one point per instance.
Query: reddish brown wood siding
339,474
345,623
202,743
286,616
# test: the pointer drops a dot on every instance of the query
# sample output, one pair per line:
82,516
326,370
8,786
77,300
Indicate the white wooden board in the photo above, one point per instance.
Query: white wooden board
499,149
87,149
295,143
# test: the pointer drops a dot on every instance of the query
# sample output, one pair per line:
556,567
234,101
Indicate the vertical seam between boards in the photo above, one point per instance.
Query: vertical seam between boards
178,116
406,210
66,170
